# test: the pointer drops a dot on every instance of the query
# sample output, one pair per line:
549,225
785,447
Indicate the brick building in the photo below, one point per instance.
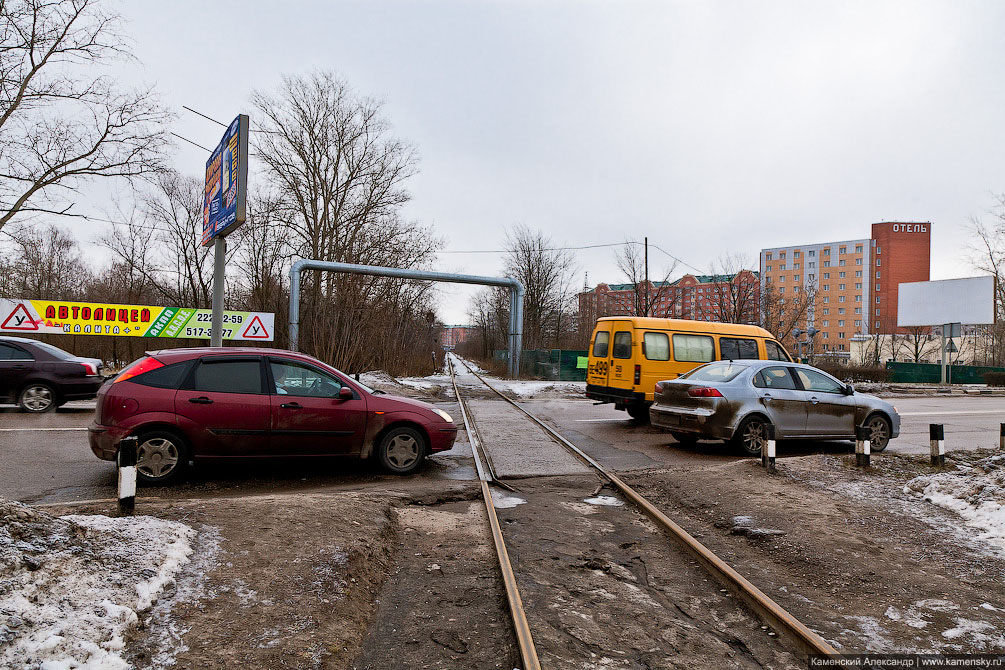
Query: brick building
451,336
848,288
734,298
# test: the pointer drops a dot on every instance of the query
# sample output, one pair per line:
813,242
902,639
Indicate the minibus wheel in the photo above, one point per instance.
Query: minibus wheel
639,412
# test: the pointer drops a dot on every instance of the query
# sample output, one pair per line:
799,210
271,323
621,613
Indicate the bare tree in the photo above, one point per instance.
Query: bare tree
986,250
48,264
648,298
61,120
783,313
736,292
546,274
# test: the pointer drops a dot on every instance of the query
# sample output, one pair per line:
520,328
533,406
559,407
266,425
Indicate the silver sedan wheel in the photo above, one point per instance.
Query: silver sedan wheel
879,433
403,450
753,437
157,458
37,398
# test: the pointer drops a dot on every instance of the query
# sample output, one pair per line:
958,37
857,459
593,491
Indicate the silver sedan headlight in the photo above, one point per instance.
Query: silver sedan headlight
443,415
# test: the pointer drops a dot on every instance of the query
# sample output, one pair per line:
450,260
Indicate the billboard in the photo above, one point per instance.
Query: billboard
226,194
932,303
38,317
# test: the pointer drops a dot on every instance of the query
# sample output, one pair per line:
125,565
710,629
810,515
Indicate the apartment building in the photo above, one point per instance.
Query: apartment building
847,288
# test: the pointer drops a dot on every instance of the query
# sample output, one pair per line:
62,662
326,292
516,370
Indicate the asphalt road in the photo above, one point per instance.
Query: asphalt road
46,458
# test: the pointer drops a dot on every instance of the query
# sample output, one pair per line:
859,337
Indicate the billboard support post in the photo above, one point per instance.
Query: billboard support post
219,279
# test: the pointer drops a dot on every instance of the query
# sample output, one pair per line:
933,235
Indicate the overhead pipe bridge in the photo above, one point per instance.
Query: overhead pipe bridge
516,293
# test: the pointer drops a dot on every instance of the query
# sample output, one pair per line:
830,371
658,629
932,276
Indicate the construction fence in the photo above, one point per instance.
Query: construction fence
564,365
931,373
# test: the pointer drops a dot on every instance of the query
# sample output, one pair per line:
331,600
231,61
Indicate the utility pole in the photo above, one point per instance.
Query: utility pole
646,245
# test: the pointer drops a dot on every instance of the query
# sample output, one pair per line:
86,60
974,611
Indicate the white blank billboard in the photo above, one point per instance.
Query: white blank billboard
933,303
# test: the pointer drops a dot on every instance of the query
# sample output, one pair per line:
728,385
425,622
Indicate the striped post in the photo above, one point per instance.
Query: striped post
768,448
862,447
127,475
937,438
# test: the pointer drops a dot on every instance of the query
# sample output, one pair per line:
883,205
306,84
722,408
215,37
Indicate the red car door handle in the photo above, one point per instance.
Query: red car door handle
291,405
201,400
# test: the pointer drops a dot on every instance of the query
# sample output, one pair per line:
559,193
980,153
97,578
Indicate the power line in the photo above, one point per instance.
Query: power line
191,142
221,123
572,248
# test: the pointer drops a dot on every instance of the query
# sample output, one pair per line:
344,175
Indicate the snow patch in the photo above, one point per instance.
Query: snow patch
502,501
977,494
605,501
71,588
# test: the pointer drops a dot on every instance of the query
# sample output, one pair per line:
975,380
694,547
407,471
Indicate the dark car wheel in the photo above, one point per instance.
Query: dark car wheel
401,450
161,456
879,432
639,412
685,439
751,435
37,397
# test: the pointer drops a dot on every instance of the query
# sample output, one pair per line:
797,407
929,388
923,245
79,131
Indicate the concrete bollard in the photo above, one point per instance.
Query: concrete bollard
768,449
937,438
863,449
127,475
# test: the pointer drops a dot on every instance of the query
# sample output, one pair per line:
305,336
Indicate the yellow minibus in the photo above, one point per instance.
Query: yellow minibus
629,354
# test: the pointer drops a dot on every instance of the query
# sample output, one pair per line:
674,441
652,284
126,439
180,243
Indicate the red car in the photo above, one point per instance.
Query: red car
221,403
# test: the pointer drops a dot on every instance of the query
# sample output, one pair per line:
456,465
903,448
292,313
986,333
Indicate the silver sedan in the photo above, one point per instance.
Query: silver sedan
738,400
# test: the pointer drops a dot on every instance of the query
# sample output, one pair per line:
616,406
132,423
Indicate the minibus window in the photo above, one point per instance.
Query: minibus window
657,346
622,345
731,349
600,344
775,351
693,348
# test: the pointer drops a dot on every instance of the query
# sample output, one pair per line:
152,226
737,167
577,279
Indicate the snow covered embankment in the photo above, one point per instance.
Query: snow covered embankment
71,587
976,493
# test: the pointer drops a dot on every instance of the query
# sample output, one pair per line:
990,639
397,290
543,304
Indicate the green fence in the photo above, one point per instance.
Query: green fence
558,364
931,373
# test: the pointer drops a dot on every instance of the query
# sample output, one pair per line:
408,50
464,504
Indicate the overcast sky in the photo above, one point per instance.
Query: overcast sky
711,127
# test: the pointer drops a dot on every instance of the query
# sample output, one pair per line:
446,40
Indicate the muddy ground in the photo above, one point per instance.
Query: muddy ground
870,567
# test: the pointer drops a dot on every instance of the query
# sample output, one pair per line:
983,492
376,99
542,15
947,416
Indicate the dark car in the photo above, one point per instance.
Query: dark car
40,377
234,403
738,400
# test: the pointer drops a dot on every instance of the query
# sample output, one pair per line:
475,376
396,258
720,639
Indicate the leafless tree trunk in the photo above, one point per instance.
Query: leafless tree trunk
736,292
546,274
655,298
781,314
61,120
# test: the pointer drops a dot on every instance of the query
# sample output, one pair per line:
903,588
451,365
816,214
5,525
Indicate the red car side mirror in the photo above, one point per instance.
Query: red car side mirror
345,393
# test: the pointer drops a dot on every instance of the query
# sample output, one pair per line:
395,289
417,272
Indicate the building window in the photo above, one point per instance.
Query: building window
767,268
858,322
795,277
767,256
841,336
795,289
843,250
858,310
795,254
781,254
826,311
825,323
877,274
877,299
811,277
840,346
826,300
858,248
812,253
827,275
877,287
879,261
842,262
841,275
825,335
840,298
858,285
858,273
879,250
781,278
827,287
782,266
858,261
858,298
827,264
877,314
827,252
781,289
812,264
841,323
795,266
841,287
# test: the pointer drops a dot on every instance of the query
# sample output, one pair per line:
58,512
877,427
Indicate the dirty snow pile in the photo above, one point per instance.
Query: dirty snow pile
976,493
71,587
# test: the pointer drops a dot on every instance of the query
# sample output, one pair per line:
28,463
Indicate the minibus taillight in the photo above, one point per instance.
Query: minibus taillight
638,374
704,392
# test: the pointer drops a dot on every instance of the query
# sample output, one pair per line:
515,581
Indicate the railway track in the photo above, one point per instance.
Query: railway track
763,607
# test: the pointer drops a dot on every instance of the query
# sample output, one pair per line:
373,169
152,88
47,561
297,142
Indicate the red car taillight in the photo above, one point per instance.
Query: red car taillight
137,368
638,374
659,388
704,392
89,369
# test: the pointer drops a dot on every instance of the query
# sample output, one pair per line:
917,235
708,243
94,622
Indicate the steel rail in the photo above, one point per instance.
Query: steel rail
524,639
760,602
